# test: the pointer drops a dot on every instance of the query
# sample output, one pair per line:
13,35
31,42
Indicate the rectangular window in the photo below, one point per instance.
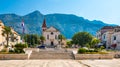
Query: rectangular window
55,36
48,37
114,37
104,36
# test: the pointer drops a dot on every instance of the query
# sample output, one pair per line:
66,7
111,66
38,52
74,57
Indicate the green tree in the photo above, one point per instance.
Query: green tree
61,37
42,39
7,32
82,38
94,42
27,39
69,43
32,39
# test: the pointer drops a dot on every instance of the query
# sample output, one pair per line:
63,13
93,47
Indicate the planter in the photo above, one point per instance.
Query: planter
93,56
13,56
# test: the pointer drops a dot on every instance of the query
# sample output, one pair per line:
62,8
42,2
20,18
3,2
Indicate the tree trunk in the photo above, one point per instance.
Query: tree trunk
7,40
6,47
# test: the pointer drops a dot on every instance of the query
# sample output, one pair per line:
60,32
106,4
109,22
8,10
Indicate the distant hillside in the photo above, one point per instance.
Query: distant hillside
68,24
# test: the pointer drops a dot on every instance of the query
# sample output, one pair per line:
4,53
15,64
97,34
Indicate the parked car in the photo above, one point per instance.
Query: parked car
41,47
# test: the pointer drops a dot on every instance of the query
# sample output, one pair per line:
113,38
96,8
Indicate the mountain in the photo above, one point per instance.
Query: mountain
68,24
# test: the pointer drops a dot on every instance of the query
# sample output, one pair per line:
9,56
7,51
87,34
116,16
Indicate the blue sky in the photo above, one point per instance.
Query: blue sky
104,10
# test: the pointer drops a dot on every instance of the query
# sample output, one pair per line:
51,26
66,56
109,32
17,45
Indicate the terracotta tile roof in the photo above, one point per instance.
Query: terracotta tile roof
108,27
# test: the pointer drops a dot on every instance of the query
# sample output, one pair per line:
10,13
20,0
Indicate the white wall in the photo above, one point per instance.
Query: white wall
117,41
51,36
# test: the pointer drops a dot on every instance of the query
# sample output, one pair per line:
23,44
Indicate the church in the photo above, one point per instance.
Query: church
51,35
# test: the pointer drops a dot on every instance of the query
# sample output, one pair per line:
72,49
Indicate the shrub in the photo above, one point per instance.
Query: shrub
87,45
19,48
96,50
11,51
102,47
90,51
81,50
69,44
21,45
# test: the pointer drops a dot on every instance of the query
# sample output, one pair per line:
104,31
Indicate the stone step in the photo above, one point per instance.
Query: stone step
51,55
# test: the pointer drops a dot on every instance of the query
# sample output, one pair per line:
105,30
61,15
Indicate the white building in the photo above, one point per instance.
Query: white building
106,38
51,35
103,30
115,38
110,37
104,35
13,39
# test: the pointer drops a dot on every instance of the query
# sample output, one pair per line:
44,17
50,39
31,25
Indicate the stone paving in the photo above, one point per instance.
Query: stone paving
40,63
60,63
101,63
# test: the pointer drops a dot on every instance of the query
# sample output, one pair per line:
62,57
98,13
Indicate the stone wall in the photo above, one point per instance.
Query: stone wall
116,54
13,56
93,56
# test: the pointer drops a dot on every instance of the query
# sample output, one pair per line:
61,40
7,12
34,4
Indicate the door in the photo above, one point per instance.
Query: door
52,44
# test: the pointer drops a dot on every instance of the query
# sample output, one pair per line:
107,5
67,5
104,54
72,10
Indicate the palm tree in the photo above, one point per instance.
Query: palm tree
6,32
42,38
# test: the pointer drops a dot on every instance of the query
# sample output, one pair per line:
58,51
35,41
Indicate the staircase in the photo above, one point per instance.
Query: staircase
52,54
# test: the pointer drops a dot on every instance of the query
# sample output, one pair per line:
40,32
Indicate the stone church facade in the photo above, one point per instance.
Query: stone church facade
51,35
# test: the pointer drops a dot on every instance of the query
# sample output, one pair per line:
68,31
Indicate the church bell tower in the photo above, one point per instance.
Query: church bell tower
44,26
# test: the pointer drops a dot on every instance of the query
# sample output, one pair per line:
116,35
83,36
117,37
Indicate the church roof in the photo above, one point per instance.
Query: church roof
51,29
44,23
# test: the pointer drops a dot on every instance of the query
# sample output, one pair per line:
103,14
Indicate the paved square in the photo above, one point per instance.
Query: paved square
60,63
102,63
40,63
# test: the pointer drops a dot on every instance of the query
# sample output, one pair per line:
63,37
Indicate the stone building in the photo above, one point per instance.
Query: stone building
106,39
115,38
51,35
104,35
13,38
100,33
110,37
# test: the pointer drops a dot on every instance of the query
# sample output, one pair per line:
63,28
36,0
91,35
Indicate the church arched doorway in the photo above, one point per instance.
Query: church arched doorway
52,43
